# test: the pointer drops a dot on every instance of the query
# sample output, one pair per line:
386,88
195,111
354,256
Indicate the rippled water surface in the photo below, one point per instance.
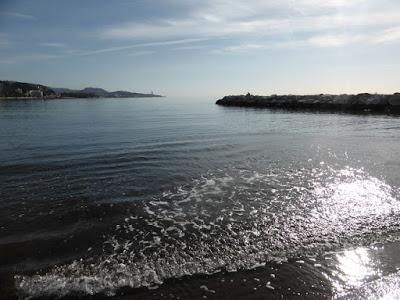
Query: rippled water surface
180,198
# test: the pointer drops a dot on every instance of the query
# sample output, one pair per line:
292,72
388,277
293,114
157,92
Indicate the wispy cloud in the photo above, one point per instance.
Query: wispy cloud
242,48
258,24
260,27
19,15
328,3
54,45
192,47
386,36
335,40
141,45
141,53
81,53
235,26
390,35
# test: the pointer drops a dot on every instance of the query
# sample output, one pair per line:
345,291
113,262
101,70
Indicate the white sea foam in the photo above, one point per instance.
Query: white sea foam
231,220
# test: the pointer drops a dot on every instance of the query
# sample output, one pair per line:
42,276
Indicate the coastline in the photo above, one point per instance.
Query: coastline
323,276
61,97
14,90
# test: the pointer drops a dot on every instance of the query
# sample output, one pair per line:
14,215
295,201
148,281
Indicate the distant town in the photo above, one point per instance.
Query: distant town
23,90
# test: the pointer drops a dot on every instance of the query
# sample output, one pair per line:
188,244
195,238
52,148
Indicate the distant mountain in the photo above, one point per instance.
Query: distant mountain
14,89
63,90
98,92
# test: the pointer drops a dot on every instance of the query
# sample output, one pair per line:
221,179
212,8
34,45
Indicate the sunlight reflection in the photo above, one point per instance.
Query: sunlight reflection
352,194
359,275
351,200
355,266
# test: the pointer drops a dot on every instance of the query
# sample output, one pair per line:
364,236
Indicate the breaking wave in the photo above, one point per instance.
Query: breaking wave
230,220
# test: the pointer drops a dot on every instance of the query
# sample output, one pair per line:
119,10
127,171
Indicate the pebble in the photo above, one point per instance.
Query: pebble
269,286
205,288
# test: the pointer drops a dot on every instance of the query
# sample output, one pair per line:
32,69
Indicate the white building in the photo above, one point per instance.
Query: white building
35,93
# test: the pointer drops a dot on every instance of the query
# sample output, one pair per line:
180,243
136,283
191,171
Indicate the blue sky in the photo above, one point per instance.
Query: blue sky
205,48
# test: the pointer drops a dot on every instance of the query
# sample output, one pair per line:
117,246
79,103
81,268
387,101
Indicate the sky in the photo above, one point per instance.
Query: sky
206,48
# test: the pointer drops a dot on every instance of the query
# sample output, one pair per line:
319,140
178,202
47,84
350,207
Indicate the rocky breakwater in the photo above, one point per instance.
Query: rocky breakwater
348,103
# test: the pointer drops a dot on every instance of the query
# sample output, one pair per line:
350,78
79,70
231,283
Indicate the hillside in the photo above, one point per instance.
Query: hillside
23,90
14,89
102,93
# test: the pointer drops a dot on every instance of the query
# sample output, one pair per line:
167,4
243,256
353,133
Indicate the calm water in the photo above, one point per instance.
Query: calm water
167,198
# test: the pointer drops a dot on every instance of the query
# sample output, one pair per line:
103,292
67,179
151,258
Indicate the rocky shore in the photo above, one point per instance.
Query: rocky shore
348,103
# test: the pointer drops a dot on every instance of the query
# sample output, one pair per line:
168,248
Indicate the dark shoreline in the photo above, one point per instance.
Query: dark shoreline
71,97
14,90
313,277
372,103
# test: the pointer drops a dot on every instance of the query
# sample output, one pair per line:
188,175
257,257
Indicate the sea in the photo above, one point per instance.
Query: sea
179,198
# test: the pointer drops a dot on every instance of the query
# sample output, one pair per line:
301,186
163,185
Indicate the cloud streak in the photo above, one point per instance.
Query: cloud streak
233,18
54,45
82,53
19,15
257,27
141,45
141,53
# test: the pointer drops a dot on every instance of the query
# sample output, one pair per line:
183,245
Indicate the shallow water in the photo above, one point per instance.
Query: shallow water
182,198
